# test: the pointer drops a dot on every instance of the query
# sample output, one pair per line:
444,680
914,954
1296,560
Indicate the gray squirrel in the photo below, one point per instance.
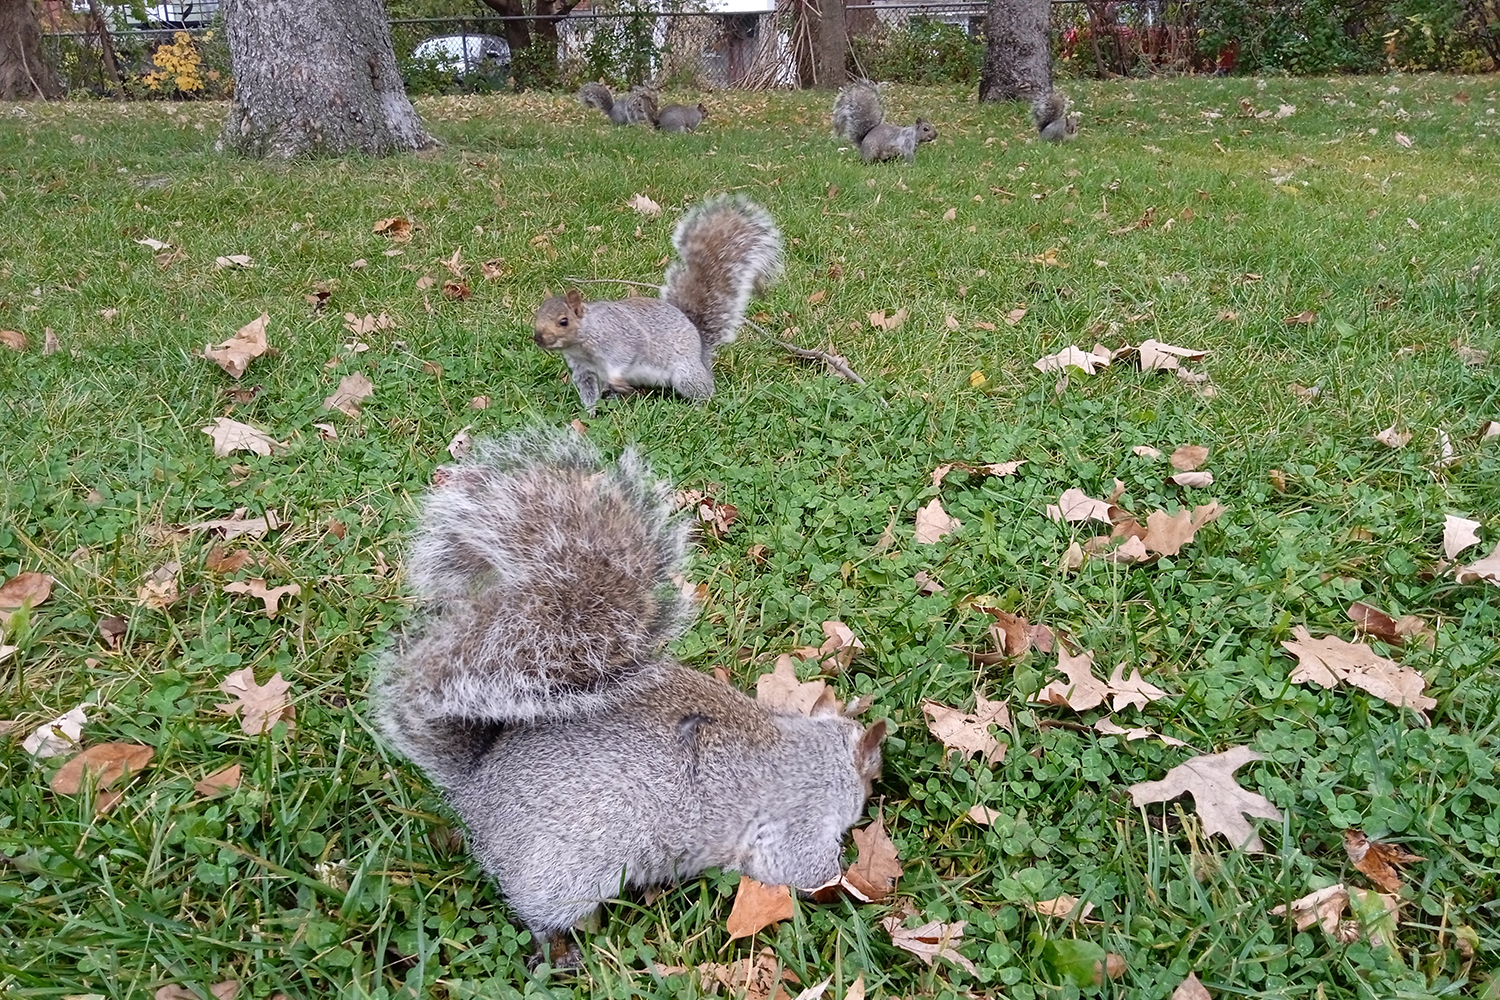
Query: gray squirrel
729,250
535,692
636,108
681,117
1049,112
859,117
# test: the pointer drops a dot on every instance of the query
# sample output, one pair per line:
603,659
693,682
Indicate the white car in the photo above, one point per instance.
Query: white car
465,54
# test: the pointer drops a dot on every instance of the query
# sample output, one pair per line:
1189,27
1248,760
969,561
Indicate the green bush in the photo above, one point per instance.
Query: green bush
922,51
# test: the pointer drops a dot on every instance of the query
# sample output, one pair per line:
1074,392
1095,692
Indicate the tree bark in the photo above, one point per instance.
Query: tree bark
106,47
23,74
832,45
316,78
1018,53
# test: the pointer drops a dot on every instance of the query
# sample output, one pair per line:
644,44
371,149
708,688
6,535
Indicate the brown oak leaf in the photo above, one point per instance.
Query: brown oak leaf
25,589
757,906
235,354
1221,803
873,875
353,389
969,732
934,524
781,689
1377,859
931,941
1189,457
1082,690
230,436
1326,661
259,706
270,596
225,779
103,764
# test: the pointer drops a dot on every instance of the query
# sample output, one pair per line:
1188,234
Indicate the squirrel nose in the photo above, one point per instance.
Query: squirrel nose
539,339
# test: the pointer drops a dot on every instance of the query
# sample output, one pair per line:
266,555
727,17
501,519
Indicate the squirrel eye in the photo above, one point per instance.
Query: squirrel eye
563,321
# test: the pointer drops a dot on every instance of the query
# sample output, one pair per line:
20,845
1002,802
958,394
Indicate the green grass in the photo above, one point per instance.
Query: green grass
333,870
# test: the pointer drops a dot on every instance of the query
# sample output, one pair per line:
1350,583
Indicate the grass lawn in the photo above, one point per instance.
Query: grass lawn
1181,213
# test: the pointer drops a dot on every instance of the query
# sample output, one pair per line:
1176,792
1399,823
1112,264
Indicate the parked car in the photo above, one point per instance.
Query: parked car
466,55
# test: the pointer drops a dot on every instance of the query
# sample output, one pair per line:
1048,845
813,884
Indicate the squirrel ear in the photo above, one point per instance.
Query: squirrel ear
574,301
867,751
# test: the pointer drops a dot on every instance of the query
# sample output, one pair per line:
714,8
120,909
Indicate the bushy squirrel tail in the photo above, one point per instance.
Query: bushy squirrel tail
596,95
1048,108
857,110
546,576
729,249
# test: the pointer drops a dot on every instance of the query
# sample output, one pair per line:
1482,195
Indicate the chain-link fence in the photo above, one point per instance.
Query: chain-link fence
916,42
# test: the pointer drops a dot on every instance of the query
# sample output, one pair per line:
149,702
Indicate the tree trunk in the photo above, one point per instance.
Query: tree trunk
832,45
1018,53
316,77
23,74
533,48
106,47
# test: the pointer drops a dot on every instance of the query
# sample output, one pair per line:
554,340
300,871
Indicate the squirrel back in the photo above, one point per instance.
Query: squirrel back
681,117
535,692
859,118
728,250
1049,112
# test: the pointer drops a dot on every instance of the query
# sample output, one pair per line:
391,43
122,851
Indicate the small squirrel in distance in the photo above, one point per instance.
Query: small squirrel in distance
535,691
636,108
1049,112
681,117
729,250
859,117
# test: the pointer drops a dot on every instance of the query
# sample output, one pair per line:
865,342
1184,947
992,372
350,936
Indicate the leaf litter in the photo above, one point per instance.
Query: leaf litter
1328,660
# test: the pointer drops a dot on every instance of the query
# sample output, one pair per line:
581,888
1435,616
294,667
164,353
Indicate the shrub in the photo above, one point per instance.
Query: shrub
922,51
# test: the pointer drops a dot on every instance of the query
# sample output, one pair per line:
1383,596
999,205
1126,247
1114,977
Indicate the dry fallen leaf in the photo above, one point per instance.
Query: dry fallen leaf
644,205
227,990
1109,727
1328,660
1166,534
1304,318
1193,479
1188,457
270,596
1153,355
1376,859
225,779
235,354
1323,907
365,325
238,524
461,444
352,389
396,227
1393,438
1145,451
881,321
223,561
873,875
58,737
1082,690
102,765
1372,621
1071,357
1075,506
234,260
983,815
1133,690
1487,569
934,524
1060,907
985,469
781,689
230,436
159,589
25,589
259,706
931,941
14,339
1221,803
839,641
757,906
1191,989
1458,534
968,733
758,977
